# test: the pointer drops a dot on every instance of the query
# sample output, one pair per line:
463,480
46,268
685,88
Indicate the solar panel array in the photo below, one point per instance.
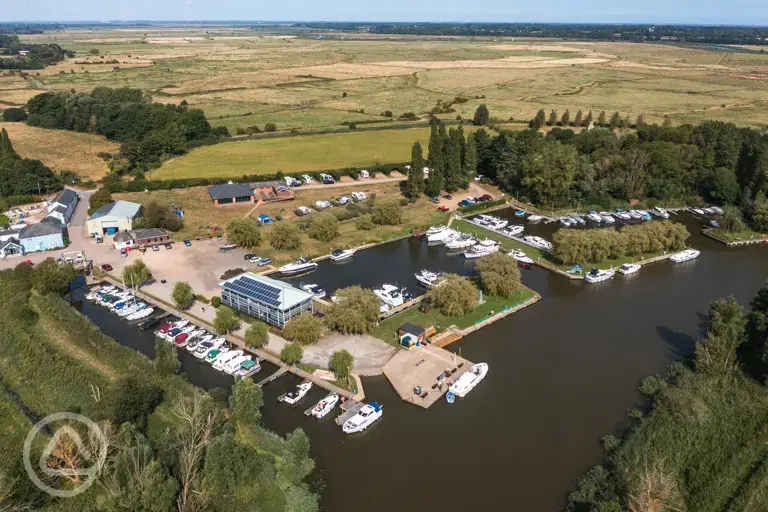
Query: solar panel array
255,290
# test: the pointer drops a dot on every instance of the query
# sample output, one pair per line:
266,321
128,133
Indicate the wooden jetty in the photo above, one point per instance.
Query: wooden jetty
279,373
349,409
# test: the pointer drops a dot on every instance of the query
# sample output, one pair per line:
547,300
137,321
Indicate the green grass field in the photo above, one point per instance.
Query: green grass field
294,154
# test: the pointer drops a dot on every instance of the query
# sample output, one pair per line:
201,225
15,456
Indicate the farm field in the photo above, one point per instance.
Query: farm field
299,153
245,77
62,150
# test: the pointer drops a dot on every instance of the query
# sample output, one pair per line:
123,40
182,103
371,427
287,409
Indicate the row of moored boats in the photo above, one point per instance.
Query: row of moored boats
363,419
122,303
597,275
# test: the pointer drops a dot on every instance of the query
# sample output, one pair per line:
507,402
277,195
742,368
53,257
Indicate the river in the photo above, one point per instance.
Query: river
562,373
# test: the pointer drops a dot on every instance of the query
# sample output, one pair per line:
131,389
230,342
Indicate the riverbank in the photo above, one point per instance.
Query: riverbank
738,239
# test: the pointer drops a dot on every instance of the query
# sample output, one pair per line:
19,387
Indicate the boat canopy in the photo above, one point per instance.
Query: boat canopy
376,406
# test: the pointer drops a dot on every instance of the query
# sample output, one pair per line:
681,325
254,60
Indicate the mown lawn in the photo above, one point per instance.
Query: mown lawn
736,236
294,154
492,304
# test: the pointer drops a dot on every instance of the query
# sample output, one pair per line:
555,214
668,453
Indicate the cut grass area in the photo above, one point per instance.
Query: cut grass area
200,215
62,150
746,235
492,304
294,154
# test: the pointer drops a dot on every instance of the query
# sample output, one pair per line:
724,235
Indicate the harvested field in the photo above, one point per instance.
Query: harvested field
62,150
294,154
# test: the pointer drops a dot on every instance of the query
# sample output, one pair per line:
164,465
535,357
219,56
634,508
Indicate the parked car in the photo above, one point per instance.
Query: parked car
435,200
486,197
448,196
255,259
106,267
168,246
187,243
343,200
359,196
442,208
327,179
264,261
155,247
323,204
302,210
464,203
307,179
124,253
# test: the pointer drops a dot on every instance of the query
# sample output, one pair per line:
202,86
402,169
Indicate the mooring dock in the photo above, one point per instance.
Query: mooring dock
349,409
279,373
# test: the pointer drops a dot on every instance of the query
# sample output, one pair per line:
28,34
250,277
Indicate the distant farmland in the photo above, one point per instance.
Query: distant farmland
300,153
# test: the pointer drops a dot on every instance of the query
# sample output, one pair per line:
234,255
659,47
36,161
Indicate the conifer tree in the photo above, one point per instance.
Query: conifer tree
435,156
552,118
601,119
416,174
539,120
470,156
566,118
579,119
588,120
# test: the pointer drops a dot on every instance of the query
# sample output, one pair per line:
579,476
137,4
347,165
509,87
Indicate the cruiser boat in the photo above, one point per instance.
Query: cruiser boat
497,224
482,248
168,336
644,214
297,393
224,359
660,212
578,219
131,309
390,295
622,214
314,289
594,217
607,217
363,419
298,266
143,313
717,210
629,268
538,242
163,328
324,406
697,211
181,340
513,230
383,308
233,365
341,254
534,218
520,256
596,275
469,379
636,215
440,235
686,255
205,347
450,238
519,213
566,222
213,355
462,242
428,278
248,368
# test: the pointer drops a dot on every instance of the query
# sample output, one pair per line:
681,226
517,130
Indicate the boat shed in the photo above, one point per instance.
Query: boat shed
114,217
269,300
419,333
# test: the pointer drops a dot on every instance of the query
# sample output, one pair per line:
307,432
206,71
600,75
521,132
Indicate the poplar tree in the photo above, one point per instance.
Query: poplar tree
539,120
601,119
552,118
588,120
579,119
615,120
6,148
416,174
452,151
566,118
462,143
435,157
470,157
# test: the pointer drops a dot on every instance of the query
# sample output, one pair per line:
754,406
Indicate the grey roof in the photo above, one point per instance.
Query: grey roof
5,244
60,209
141,234
273,184
120,209
123,236
53,220
66,196
274,293
40,229
229,191
410,328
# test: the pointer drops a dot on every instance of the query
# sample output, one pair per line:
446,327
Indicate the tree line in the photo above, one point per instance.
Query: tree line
148,132
699,445
595,245
40,55
23,176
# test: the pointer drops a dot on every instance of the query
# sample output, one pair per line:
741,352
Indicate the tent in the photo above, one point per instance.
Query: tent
264,218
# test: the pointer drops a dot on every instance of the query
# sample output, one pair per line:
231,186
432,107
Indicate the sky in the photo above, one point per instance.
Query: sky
731,12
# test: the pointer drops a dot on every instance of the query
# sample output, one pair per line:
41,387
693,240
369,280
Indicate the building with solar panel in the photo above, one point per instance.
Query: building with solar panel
269,300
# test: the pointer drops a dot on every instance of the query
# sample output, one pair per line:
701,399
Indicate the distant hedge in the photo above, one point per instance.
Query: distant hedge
140,184
481,206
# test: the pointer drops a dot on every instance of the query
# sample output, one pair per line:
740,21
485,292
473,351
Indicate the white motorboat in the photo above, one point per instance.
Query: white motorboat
607,218
482,248
512,230
594,217
298,266
144,313
440,235
534,218
469,379
496,223
596,275
390,295
660,212
462,242
297,393
578,220
383,308
629,268
697,211
341,254
644,215
314,289
450,238
205,347
622,214
129,310
566,222
537,242
686,255
716,209
363,419
213,355
248,368
520,256
199,341
234,364
428,278
225,358
435,229
324,406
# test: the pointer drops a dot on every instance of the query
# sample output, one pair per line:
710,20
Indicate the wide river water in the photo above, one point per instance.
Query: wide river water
562,373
